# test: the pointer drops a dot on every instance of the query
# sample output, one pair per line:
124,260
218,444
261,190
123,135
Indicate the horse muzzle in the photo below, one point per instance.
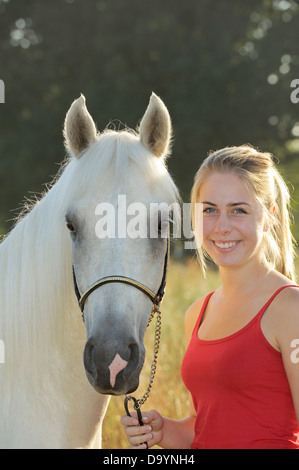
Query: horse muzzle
113,368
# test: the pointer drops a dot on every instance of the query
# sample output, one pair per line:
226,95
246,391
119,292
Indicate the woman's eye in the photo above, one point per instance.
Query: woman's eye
212,210
240,211
209,210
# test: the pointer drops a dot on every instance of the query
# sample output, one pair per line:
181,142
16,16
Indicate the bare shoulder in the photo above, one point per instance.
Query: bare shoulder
287,301
194,309
191,317
285,315
287,305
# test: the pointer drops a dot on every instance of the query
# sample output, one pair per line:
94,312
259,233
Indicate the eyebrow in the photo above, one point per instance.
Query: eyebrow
230,204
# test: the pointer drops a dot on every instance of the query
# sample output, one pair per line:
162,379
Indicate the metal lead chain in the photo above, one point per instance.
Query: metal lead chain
157,310
140,401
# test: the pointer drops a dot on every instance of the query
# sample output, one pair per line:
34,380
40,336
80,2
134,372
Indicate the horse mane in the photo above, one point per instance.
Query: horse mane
36,289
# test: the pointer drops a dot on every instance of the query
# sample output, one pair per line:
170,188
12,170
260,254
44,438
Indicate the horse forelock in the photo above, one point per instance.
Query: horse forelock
113,157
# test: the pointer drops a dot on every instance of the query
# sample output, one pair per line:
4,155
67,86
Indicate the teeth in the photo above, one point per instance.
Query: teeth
225,245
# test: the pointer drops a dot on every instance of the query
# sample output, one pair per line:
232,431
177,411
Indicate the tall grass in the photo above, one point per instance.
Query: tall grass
168,394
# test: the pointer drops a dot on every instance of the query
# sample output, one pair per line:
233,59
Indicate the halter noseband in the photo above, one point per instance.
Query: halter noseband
155,298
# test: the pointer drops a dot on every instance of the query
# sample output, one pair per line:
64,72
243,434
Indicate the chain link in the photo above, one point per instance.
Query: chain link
157,310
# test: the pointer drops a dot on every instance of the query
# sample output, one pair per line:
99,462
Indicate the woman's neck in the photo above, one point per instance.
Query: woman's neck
243,279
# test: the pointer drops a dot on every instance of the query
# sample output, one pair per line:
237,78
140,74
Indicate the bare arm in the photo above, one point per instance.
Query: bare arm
287,336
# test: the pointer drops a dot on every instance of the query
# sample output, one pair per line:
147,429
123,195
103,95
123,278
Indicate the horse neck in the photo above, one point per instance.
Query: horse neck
44,336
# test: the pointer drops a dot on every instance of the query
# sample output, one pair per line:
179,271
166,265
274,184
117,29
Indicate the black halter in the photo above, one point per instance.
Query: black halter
155,298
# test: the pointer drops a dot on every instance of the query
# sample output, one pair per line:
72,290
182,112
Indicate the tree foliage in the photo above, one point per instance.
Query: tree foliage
224,70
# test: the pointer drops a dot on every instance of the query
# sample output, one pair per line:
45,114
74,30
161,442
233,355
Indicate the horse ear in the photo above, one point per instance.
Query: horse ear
155,127
79,128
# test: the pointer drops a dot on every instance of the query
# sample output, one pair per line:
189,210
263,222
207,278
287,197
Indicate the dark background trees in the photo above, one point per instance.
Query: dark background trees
223,68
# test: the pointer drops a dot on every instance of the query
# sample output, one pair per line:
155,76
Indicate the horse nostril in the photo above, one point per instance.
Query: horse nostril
88,357
133,347
133,357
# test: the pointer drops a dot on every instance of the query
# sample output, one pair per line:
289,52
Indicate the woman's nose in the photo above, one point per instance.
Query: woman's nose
223,224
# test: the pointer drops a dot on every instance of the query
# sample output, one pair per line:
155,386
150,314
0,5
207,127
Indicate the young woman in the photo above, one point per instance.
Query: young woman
241,366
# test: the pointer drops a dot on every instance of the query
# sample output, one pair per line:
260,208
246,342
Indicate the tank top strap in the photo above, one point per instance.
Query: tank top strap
264,308
202,310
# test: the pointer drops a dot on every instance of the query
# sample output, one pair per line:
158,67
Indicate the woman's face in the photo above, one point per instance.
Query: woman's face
232,220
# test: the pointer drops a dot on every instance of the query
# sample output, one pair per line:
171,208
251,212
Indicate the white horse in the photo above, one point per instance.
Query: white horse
46,400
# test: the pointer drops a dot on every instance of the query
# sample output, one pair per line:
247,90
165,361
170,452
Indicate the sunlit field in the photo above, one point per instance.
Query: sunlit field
168,394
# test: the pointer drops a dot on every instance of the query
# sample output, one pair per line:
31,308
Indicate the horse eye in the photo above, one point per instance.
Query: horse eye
70,227
163,224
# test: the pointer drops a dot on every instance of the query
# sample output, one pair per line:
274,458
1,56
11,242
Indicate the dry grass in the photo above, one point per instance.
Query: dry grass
168,394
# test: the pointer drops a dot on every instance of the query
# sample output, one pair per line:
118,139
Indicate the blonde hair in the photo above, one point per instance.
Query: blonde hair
258,172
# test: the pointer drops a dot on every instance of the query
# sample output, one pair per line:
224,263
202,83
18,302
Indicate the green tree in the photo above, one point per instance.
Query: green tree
223,68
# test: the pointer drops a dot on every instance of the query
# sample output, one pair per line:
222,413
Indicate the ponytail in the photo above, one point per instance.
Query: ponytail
280,243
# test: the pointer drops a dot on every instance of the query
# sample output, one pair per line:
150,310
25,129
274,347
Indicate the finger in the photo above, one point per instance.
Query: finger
138,430
140,439
142,446
146,419
149,416
129,421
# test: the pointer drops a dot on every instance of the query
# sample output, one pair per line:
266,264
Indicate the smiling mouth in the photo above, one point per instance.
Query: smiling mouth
225,245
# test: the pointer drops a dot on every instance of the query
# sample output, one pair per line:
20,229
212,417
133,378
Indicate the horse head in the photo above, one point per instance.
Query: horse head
117,228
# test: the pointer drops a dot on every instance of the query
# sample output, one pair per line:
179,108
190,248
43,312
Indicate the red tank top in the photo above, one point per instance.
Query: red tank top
240,390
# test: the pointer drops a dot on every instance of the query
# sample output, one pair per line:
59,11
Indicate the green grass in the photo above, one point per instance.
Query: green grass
168,394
